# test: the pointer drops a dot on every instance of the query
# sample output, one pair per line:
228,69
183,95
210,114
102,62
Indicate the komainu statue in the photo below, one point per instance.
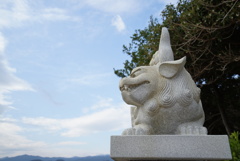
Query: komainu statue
165,99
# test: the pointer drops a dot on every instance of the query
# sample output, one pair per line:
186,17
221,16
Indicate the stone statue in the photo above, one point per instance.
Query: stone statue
165,99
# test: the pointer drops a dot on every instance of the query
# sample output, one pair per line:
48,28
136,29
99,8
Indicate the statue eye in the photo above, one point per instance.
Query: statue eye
134,73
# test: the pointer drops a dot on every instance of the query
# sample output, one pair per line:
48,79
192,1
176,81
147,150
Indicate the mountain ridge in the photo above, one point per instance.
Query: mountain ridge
26,157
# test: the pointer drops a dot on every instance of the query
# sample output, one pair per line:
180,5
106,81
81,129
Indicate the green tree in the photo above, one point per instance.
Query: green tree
208,33
235,145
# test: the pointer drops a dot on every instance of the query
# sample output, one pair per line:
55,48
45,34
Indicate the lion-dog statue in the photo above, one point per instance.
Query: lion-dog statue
165,99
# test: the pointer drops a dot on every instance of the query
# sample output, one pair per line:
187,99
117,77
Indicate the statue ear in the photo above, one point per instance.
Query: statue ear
168,69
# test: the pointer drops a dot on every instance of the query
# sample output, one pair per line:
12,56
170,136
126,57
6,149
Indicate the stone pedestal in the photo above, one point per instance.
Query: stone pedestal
170,147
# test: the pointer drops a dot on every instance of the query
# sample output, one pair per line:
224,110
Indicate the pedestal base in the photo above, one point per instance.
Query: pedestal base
170,147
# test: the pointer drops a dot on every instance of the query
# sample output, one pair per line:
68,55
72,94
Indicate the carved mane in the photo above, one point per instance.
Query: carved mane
182,82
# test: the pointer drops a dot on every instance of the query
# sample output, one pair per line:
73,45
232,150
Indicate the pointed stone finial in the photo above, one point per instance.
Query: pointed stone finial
165,50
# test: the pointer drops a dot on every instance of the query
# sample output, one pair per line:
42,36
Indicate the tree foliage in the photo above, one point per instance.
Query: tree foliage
235,145
208,33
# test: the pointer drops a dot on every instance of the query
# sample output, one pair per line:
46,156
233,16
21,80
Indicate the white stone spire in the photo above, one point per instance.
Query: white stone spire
165,50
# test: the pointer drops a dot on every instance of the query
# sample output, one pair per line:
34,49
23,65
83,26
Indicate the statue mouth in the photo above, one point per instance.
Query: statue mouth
131,87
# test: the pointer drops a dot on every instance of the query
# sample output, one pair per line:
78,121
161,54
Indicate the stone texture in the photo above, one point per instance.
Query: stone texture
165,99
170,147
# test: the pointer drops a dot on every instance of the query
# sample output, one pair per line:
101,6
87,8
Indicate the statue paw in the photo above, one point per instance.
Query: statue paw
130,131
191,130
141,131
137,131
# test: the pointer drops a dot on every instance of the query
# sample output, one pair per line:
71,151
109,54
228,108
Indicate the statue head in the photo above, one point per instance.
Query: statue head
146,82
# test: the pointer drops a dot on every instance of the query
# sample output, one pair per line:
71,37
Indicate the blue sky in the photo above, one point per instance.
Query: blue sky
59,95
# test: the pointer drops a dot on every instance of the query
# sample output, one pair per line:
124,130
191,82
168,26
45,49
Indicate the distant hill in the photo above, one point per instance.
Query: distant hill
38,158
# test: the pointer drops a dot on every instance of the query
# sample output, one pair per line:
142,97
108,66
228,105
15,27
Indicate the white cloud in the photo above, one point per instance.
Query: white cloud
70,143
116,6
15,13
90,79
103,103
8,81
118,23
3,43
56,14
13,143
123,7
108,119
